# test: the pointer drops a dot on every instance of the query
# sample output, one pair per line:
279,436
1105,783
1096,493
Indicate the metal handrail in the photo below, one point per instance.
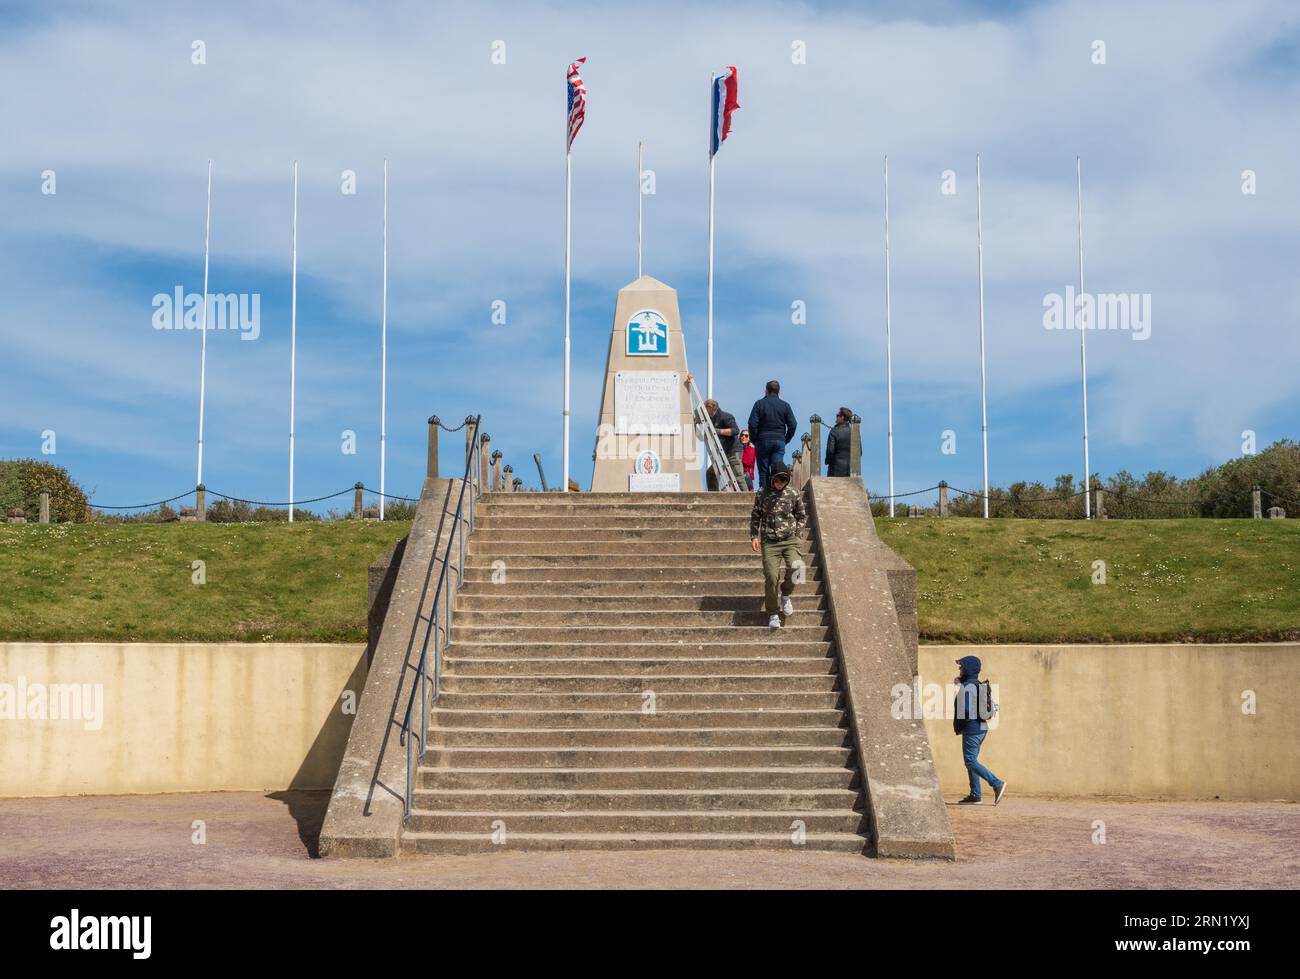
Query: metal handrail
442,599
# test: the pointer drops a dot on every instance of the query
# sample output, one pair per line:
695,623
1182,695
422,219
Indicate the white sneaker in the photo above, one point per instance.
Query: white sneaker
774,622
787,606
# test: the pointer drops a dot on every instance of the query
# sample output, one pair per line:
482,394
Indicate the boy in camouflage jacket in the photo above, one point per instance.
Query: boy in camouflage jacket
774,526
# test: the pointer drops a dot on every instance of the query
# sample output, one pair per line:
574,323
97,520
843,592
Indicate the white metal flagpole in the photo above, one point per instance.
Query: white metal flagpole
640,206
984,403
383,354
203,343
293,329
709,366
889,351
568,215
1083,348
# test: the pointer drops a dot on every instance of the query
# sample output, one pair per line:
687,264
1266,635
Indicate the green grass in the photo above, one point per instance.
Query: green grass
1166,580
980,581
266,582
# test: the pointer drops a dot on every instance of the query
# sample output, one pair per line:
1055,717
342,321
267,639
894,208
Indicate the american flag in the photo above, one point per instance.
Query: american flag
577,101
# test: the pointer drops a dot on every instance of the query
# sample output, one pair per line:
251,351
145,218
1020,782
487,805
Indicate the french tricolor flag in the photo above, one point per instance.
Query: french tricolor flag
726,89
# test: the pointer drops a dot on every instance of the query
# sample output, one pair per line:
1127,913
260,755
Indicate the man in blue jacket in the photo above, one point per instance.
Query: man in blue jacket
973,728
771,427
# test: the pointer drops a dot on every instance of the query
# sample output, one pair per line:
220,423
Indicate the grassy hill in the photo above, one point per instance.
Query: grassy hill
1166,580
266,582
981,581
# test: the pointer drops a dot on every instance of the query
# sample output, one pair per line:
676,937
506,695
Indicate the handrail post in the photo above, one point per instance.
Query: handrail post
446,609
410,796
431,470
815,462
855,446
496,470
471,437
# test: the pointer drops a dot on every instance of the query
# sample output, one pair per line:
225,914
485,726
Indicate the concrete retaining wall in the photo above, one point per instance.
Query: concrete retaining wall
1158,721
1075,720
173,717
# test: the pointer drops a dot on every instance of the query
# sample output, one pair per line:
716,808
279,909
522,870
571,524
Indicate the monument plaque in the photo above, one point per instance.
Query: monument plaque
647,403
654,483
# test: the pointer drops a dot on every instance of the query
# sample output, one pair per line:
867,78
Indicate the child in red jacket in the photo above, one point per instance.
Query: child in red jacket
747,457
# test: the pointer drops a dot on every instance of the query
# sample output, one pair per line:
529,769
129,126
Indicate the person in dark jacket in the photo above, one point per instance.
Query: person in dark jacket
771,428
775,523
973,728
724,423
838,443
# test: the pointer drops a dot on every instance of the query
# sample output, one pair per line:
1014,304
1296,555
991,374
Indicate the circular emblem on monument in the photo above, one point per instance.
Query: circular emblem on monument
647,334
647,463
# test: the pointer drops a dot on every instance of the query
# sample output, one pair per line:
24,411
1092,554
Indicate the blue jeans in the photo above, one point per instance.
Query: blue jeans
767,455
970,750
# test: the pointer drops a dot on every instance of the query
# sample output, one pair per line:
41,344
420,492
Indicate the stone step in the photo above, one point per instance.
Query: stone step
664,700
665,623
767,642
448,718
535,757
649,501
623,635
670,570
718,551
601,520
645,737
643,666
470,843
745,585
486,603
600,564
512,800
503,685
736,533
643,779
632,821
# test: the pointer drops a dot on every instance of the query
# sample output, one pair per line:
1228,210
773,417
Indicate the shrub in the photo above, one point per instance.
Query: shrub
21,482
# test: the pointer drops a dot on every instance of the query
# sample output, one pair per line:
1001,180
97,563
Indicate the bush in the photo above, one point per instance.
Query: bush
233,511
21,482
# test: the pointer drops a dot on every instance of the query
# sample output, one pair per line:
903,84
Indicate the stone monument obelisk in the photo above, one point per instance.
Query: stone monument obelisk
646,439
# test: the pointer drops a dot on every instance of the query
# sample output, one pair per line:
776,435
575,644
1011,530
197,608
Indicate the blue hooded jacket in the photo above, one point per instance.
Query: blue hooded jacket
965,710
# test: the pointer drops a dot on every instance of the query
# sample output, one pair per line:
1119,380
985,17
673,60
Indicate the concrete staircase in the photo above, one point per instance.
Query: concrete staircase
579,612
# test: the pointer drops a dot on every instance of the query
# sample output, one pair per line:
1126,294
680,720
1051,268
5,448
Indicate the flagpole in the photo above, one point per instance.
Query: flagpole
889,350
293,329
568,217
203,345
984,408
1083,347
383,354
640,203
712,126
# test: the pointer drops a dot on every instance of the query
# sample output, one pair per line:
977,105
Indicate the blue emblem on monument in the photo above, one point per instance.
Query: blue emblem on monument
647,335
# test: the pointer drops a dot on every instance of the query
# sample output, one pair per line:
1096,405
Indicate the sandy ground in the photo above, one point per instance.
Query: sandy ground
268,840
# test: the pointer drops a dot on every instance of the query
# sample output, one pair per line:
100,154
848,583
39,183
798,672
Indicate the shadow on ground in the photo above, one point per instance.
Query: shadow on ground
307,810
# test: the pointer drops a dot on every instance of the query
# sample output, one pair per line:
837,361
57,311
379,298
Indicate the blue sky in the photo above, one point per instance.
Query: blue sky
107,97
